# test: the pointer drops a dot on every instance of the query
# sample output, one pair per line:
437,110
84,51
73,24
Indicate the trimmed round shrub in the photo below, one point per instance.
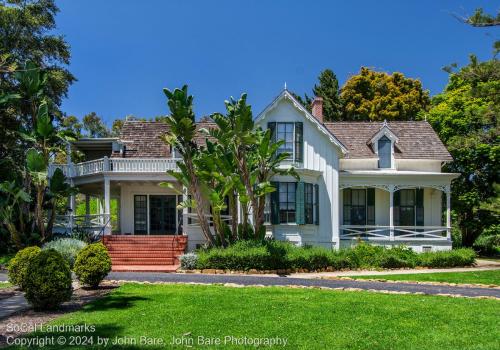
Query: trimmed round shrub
92,264
67,247
48,280
18,266
188,261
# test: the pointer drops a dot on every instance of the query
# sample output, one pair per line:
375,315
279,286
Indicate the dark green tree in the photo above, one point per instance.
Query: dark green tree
26,34
466,117
328,89
94,126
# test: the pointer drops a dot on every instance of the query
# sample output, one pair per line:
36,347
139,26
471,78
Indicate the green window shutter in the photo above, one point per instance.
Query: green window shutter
316,204
299,204
370,206
347,206
397,196
275,204
419,216
272,126
299,142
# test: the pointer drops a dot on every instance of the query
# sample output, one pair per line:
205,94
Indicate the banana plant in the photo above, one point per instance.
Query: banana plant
181,136
45,141
256,159
11,213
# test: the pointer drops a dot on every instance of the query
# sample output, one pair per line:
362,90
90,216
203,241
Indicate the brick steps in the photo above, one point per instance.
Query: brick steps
145,253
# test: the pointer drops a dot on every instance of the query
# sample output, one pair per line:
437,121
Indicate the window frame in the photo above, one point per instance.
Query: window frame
145,213
368,207
281,149
385,139
288,212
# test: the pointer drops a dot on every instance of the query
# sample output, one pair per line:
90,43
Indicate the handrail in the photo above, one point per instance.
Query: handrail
117,165
401,233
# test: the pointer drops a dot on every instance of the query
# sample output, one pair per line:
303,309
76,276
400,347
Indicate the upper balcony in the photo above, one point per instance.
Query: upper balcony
116,165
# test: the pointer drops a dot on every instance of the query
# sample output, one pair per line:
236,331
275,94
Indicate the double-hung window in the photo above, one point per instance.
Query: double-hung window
409,207
287,202
359,206
291,133
293,202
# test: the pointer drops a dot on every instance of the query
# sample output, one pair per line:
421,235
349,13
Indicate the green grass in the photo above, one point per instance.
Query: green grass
484,277
5,285
307,318
4,259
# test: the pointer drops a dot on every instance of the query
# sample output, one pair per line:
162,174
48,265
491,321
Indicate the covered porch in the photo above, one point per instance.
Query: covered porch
395,207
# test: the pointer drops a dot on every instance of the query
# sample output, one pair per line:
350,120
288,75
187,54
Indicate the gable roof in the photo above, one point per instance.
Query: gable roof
416,139
321,127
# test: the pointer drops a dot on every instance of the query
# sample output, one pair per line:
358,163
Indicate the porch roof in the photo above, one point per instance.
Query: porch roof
392,180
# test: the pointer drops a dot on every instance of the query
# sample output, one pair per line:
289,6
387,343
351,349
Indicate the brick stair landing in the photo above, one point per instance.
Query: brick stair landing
145,253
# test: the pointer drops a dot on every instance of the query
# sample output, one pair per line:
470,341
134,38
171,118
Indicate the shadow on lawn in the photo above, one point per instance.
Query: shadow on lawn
115,301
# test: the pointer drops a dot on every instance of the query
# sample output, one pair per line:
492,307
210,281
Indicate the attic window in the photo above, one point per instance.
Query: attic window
384,152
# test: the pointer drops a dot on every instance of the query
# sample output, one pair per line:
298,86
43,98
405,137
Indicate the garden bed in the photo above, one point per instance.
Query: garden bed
283,258
29,318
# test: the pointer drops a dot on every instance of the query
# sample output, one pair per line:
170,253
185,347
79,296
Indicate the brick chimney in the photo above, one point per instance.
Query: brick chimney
317,108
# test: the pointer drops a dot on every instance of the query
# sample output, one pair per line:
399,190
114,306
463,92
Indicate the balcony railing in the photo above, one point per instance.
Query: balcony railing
117,165
396,233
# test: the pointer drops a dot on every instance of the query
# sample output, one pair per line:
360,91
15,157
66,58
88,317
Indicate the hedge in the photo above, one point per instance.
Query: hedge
277,255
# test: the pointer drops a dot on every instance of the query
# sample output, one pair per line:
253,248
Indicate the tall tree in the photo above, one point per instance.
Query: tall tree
26,34
466,116
328,89
372,95
94,126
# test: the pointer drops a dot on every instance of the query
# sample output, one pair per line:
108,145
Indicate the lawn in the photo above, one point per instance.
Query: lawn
484,277
5,285
306,318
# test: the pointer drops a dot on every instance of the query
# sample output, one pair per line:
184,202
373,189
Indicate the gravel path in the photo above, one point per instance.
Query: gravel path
307,282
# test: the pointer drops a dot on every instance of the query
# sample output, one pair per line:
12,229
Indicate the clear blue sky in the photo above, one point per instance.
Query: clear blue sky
124,52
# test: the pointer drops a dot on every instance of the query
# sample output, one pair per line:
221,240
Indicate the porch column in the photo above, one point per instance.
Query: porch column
107,229
391,212
448,212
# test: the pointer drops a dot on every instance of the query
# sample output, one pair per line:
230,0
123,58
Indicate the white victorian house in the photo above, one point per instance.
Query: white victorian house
380,182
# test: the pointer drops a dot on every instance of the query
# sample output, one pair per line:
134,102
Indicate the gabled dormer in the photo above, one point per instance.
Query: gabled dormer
383,143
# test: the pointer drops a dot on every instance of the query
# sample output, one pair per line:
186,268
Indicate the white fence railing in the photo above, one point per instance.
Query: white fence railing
93,223
396,233
118,165
88,168
131,165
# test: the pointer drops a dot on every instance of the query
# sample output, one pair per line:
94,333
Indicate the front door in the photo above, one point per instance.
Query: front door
162,215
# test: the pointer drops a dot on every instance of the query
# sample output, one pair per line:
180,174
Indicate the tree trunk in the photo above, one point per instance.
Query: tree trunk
39,212
200,202
233,209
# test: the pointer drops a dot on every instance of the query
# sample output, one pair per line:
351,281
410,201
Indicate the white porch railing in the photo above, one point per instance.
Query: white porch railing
94,223
134,165
117,165
396,233
88,168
